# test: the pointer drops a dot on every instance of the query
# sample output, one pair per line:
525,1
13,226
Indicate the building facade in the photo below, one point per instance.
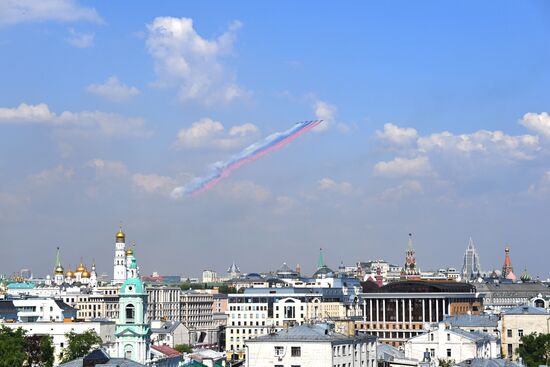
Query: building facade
398,311
310,345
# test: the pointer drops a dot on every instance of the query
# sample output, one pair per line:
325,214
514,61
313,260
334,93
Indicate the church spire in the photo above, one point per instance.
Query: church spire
321,260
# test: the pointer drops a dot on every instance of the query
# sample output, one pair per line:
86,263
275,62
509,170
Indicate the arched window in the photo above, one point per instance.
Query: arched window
130,313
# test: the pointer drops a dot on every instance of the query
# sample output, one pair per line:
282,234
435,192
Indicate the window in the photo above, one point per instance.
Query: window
510,350
432,352
520,333
279,351
296,351
448,353
448,337
130,313
509,333
431,337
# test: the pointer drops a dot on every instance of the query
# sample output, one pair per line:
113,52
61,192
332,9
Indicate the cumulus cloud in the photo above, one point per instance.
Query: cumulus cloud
397,135
327,112
328,184
401,167
153,183
20,11
191,63
407,188
537,122
57,174
85,123
113,90
209,133
108,168
80,40
522,147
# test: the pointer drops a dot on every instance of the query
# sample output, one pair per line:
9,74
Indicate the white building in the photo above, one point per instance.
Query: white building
169,333
43,309
210,276
119,269
452,344
311,345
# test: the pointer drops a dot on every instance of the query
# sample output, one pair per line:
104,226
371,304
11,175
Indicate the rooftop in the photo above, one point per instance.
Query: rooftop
306,333
525,310
493,362
472,320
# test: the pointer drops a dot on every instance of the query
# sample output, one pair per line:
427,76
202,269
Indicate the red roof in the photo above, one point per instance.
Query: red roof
166,350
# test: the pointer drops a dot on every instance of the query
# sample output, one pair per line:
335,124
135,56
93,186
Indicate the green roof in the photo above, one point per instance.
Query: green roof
23,285
135,283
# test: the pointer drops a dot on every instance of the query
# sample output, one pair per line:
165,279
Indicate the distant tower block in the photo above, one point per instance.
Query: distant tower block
471,268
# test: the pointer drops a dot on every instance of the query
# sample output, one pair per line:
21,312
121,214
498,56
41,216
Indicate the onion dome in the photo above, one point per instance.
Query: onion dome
525,277
81,268
69,274
59,269
120,236
85,274
129,251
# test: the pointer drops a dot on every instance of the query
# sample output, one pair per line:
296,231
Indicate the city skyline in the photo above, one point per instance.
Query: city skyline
430,127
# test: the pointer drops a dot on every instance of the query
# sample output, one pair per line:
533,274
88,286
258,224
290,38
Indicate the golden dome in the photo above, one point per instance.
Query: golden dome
120,234
81,268
85,274
129,252
69,274
59,270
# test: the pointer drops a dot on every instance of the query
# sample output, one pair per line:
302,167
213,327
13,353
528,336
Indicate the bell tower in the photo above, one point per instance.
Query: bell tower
119,270
132,331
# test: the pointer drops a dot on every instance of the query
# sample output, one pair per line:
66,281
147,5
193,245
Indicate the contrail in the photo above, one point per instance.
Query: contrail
225,168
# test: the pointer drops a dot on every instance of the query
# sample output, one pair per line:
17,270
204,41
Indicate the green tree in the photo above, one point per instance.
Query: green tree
12,347
534,349
39,350
79,345
446,362
184,348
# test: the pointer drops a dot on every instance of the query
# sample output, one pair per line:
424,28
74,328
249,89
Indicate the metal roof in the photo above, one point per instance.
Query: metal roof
525,310
308,333
472,320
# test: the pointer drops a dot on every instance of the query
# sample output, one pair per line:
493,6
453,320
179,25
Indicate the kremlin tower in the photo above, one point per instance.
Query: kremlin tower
507,270
119,270
410,270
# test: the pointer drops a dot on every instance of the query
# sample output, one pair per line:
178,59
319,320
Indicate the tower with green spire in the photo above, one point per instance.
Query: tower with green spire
132,330
321,261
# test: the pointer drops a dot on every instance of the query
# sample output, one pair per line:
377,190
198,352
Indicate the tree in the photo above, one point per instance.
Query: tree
184,348
79,345
534,349
446,362
12,347
39,350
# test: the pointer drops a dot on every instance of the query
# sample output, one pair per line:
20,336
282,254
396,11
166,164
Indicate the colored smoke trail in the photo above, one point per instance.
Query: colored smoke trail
257,150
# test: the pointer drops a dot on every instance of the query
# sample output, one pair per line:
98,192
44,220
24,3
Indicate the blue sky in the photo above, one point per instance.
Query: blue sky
436,123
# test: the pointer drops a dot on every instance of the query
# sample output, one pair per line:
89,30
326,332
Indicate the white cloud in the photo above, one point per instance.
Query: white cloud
80,40
397,135
542,187
153,183
329,184
539,123
400,167
209,133
20,11
85,123
407,188
108,168
327,112
113,89
192,63
54,175
483,141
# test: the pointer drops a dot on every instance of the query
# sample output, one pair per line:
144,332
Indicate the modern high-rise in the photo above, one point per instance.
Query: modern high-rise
471,268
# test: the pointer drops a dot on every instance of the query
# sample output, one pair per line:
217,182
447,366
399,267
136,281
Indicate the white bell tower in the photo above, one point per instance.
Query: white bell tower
119,270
